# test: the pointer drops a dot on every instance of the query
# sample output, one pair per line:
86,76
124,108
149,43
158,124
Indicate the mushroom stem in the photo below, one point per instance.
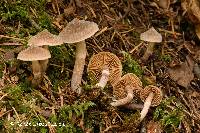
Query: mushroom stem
44,63
104,78
147,105
148,51
37,73
125,100
134,106
79,66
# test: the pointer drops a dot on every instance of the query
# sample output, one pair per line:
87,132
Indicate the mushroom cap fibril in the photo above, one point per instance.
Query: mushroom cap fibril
77,31
151,35
101,60
157,94
128,79
33,54
44,38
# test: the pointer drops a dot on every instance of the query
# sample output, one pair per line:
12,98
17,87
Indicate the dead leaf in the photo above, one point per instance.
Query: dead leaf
164,4
183,74
192,7
197,29
154,127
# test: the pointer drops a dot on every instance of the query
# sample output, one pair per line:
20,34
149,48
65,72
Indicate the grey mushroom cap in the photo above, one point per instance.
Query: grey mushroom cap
77,31
33,54
151,35
44,38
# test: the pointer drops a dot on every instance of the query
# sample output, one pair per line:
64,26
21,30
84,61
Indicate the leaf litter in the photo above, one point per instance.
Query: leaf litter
121,23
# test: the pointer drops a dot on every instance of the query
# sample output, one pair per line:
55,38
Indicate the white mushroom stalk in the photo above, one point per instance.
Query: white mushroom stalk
77,31
78,66
147,105
104,78
125,100
148,52
35,54
108,64
44,63
37,73
128,86
44,39
151,96
151,36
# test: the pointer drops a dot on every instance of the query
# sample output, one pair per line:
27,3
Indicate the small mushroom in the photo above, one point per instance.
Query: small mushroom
77,31
151,36
35,54
128,87
104,67
151,96
44,39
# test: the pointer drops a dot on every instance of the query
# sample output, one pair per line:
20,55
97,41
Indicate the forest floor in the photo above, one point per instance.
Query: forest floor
53,107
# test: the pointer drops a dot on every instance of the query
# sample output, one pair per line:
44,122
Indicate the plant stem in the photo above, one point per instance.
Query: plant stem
79,66
147,105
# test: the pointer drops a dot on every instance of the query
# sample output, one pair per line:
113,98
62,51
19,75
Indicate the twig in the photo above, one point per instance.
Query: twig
61,96
16,113
3,96
101,31
3,36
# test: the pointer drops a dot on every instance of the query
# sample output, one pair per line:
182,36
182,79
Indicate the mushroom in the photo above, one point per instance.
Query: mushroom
104,67
76,32
151,36
104,78
151,96
35,54
44,39
128,86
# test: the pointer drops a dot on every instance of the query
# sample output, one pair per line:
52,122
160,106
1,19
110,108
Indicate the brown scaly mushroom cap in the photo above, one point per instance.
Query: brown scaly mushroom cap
78,30
33,54
151,35
102,59
129,79
157,94
44,38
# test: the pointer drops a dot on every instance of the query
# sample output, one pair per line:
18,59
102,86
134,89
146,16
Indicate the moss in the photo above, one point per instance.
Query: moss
130,65
166,58
30,15
169,118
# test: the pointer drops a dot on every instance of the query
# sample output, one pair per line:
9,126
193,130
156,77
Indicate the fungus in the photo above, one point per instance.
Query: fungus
151,36
77,31
128,86
104,67
44,39
35,54
151,96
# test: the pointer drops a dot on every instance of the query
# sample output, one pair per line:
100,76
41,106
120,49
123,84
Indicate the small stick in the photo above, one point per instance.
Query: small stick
3,36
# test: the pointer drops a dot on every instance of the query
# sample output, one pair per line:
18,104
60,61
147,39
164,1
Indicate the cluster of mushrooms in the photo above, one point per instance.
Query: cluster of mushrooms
103,67
106,67
75,32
